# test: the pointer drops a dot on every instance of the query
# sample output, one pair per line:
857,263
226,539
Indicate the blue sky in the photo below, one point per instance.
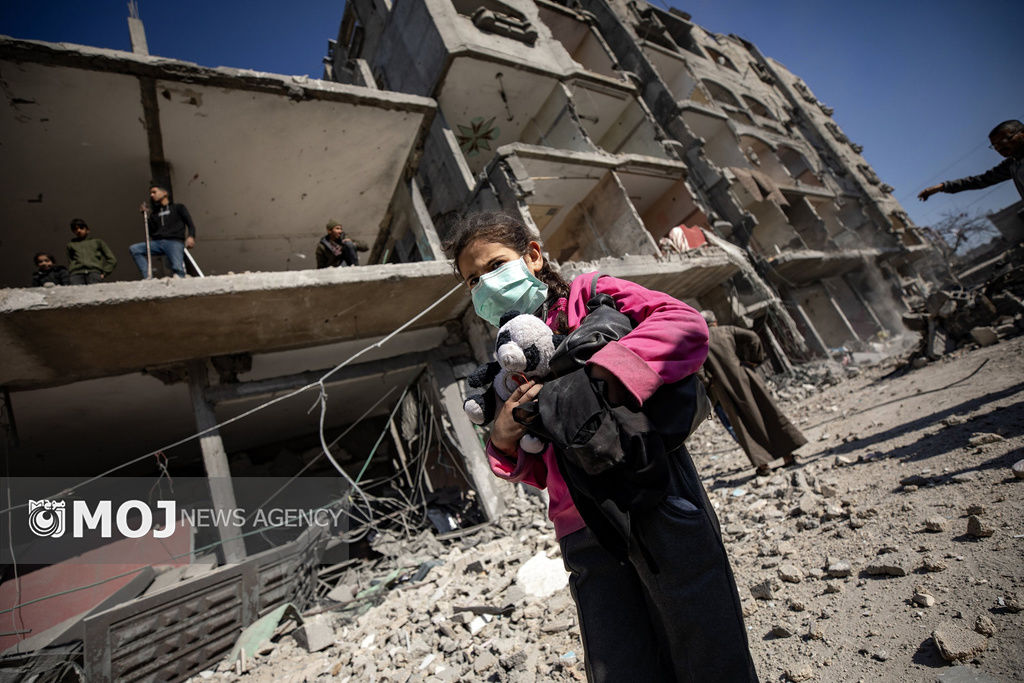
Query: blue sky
919,84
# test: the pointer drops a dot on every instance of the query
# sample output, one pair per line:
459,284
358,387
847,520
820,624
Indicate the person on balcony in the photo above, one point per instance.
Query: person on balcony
337,249
171,231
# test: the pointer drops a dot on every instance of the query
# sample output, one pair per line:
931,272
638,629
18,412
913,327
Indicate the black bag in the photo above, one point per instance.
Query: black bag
614,459
674,411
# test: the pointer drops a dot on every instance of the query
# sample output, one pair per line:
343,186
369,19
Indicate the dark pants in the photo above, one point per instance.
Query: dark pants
349,257
681,623
88,277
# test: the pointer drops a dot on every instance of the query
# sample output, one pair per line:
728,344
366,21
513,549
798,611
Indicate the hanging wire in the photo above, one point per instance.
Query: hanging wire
248,413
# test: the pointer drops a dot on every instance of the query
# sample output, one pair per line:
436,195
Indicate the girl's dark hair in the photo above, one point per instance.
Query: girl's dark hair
496,226
47,254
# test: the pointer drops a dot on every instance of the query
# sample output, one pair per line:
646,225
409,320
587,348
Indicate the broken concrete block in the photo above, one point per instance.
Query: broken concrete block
978,528
315,634
762,590
1018,469
542,577
956,643
984,336
983,438
341,593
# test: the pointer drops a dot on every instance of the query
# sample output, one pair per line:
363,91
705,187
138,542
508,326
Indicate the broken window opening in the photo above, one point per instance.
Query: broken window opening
581,40
797,166
758,108
720,59
677,25
719,93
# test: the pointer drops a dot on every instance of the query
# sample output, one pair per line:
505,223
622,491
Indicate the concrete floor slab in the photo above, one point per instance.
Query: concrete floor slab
65,334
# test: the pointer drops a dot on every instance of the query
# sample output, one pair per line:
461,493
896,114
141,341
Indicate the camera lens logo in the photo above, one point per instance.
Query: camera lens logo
46,517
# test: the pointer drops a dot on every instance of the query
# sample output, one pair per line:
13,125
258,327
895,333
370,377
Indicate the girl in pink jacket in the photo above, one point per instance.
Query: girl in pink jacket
671,612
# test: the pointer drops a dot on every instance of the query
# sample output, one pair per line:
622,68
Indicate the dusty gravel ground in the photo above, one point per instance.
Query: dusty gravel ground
846,565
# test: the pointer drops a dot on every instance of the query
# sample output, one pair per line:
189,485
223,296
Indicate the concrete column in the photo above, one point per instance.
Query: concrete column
215,459
864,303
422,226
842,316
777,350
473,455
137,34
818,341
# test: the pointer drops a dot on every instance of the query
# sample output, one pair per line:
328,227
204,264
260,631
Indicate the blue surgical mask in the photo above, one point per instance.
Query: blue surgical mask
512,287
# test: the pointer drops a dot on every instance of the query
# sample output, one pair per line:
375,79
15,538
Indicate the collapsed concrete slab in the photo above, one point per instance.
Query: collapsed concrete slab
124,327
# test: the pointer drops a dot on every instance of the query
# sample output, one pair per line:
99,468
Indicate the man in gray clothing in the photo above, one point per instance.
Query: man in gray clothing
1008,139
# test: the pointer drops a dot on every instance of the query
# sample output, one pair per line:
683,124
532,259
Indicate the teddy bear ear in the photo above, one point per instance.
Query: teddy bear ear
507,317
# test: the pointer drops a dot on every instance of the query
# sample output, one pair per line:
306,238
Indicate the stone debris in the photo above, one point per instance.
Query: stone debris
1018,469
838,569
799,674
984,336
315,634
965,674
956,643
790,573
762,590
342,593
923,597
805,545
984,438
977,528
930,564
886,567
984,625
542,576
783,630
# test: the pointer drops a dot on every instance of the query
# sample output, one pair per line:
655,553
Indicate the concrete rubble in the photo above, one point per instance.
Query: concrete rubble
893,586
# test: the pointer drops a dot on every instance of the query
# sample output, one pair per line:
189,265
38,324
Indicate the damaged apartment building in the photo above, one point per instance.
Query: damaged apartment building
602,124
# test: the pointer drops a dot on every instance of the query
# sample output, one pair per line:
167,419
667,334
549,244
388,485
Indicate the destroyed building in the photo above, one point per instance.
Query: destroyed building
603,124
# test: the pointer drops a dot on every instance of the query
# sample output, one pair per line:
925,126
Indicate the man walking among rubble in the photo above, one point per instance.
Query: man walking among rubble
171,231
1008,139
761,429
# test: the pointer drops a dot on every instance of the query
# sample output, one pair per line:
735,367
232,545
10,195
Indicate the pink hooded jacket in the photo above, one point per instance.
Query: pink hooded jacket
669,343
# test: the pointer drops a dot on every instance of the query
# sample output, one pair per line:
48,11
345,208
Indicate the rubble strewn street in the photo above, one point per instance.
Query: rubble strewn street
894,553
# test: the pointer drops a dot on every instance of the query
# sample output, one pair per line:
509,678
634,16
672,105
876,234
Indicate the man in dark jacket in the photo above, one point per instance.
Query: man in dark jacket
48,272
171,231
1008,139
337,249
762,430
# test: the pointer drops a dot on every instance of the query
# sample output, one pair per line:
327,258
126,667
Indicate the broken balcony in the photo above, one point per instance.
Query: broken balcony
588,206
261,161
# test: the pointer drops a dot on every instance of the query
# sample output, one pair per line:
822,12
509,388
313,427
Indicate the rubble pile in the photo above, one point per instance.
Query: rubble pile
493,605
892,553
956,315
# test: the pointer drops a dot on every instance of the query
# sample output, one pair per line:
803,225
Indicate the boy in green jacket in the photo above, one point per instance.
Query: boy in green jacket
90,260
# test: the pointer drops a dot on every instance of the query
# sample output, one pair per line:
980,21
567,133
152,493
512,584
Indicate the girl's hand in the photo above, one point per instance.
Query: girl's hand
506,432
